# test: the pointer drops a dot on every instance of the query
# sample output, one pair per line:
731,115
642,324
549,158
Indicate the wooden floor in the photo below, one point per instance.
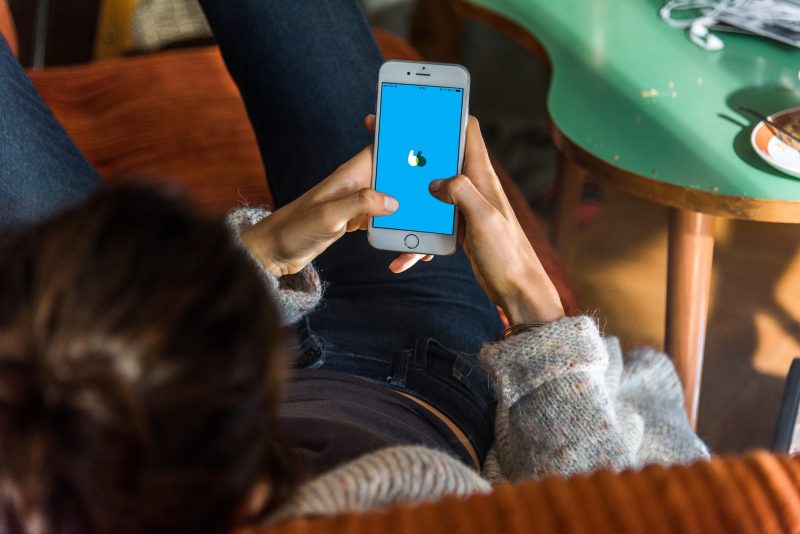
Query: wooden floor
754,322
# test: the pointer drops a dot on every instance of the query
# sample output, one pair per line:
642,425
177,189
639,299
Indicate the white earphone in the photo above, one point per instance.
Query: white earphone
699,35
782,13
697,28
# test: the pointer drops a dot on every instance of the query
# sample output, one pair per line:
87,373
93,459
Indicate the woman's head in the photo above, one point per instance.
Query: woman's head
140,371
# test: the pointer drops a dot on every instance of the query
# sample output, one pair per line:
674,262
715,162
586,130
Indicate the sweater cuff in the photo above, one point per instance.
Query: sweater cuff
294,294
528,360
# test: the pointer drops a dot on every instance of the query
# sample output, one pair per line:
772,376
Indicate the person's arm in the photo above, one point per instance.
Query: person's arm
555,413
295,294
559,405
568,403
295,234
285,242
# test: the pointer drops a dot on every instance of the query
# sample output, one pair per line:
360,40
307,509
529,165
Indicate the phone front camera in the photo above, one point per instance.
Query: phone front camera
408,73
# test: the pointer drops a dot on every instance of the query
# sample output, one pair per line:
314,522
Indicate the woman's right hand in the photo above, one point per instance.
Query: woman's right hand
502,258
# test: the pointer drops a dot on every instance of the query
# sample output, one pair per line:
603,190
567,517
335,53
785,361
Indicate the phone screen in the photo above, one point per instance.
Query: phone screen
418,140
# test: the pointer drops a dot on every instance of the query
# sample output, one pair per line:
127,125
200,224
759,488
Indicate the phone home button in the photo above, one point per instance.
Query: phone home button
411,241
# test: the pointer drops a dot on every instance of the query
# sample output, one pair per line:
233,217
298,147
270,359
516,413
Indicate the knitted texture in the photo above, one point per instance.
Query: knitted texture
569,402
159,23
396,474
295,294
650,388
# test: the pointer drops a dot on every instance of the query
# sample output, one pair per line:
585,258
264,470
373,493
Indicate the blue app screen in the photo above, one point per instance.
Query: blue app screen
417,143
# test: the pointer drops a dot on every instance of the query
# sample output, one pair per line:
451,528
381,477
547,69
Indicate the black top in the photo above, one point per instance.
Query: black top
330,418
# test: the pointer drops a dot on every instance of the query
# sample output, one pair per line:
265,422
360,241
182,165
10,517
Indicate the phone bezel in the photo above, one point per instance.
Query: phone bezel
420,73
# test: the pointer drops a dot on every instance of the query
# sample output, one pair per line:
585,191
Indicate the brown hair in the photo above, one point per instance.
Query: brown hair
140,370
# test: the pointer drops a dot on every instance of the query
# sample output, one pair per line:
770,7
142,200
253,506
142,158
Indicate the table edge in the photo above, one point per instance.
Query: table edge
748,208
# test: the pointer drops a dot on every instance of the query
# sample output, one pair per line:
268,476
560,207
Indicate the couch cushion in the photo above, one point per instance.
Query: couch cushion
170,118
7,28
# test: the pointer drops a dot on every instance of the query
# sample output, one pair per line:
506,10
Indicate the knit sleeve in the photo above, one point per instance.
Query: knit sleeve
560,410
295,294
376,480
649,387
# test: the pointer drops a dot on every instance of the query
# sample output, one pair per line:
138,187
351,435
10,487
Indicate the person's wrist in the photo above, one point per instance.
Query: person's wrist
526,310
532,299
260,246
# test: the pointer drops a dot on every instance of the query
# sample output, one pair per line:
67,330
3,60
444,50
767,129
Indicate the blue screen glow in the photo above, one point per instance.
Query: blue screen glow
418,143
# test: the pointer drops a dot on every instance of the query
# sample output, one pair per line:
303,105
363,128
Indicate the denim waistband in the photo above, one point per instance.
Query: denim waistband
450,381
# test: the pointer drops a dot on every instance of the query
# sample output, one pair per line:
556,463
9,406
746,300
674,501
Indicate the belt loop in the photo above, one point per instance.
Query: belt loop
420,362
308,350
400,369
462,368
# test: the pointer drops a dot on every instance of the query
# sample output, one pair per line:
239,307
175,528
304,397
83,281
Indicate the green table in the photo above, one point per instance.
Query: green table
638,105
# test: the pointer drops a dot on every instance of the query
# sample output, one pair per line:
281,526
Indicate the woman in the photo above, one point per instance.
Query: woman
141,360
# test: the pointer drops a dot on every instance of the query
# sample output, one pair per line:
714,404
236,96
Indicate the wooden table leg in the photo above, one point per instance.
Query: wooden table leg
691,251
569,183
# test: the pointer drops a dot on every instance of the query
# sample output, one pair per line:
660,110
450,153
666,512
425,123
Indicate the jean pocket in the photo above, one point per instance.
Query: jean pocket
458,369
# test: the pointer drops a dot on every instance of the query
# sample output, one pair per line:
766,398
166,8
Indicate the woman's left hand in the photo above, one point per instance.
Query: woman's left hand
298,232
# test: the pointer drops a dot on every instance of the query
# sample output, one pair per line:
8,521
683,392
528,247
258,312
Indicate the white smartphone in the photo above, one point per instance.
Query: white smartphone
420,128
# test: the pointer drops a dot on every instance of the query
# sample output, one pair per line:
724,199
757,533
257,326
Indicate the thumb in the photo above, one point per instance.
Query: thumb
363,203
460,190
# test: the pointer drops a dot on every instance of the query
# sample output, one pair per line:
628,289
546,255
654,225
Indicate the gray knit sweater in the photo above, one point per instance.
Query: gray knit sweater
569,402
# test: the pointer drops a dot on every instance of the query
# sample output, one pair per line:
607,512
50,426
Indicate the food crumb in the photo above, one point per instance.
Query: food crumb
637,120
714,189
616,157
671,84
649,93
674,94
653,171
699,81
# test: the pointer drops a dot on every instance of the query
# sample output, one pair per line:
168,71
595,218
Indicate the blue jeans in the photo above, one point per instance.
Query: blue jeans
307,72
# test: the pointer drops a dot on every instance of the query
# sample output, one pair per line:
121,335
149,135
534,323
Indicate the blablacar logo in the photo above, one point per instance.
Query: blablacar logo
416,160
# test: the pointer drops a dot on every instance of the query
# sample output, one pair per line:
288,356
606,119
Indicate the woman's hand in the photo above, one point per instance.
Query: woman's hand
295,234
502,258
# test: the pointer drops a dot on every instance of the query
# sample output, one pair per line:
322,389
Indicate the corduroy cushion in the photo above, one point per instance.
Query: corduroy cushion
7,28
757,493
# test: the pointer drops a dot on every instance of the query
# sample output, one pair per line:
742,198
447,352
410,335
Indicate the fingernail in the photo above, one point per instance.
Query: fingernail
435,185
390,203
